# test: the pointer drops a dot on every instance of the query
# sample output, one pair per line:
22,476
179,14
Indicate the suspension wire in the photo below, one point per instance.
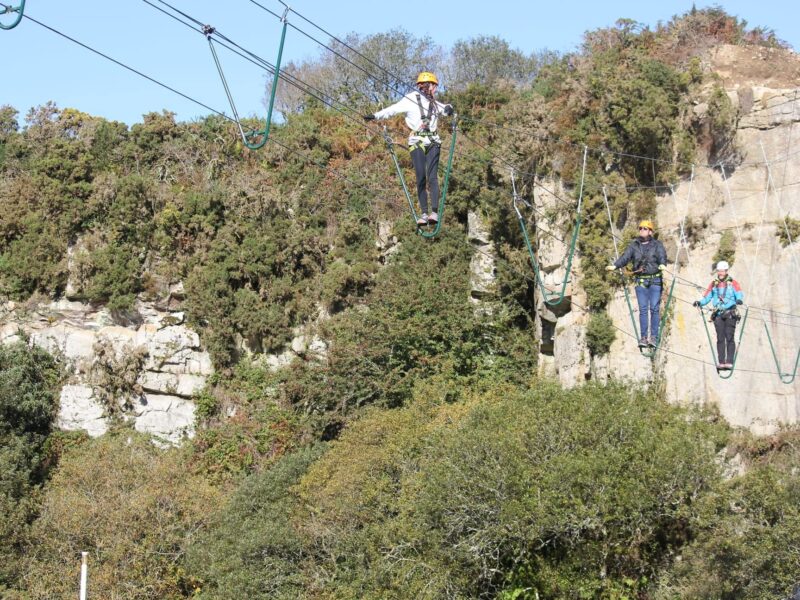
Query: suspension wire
314,161
684,242
786,377
737,228
253,58
511,165
303,155
550,297
602,151
589,311
392,83
124,66
780,195
397,78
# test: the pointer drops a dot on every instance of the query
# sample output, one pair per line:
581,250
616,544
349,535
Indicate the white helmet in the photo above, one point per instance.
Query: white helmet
723,265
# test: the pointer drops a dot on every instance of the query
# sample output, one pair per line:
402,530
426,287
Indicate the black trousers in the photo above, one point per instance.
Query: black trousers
725,324
426,167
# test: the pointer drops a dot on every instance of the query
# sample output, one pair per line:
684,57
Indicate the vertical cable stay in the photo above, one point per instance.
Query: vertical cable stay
552,297
8,9
786,377
249,137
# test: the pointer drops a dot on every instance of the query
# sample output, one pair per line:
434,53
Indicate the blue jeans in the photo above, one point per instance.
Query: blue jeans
649,299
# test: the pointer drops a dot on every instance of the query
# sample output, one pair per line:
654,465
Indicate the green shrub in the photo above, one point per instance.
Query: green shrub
575,493
132,506
29,383
600,333
253,549
727,248
788,232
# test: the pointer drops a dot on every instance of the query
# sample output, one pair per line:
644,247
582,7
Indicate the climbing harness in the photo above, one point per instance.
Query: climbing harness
7,8
248,137
552,297
726,374
414,216
649,351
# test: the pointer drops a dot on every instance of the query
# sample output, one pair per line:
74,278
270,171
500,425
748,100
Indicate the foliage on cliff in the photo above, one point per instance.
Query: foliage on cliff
419,457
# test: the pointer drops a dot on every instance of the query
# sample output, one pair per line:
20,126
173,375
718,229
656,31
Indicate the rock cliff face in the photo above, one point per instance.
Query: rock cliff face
750,203
145,372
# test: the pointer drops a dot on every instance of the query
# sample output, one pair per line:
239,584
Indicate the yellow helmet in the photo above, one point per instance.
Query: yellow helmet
647,223
426,77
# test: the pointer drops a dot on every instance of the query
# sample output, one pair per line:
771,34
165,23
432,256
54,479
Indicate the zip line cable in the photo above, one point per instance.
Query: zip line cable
397,78
265,65
221,114
301,154
124,66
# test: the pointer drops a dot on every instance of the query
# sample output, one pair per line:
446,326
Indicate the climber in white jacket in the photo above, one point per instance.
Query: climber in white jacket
422,112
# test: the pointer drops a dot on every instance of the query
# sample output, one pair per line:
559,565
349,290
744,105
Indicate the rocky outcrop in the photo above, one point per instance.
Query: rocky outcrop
146,372
483,272
747,203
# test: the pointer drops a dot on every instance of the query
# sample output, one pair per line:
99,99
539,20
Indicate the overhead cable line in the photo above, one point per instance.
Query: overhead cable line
345,110
397,78
219,113
287,148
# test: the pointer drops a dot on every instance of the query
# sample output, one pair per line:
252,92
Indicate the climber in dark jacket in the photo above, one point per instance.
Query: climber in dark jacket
649,259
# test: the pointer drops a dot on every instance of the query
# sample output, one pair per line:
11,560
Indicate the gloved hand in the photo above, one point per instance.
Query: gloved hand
448,110
739,302
696,303
369,117
662,267
611,268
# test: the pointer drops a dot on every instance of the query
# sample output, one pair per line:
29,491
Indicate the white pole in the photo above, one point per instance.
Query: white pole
84,575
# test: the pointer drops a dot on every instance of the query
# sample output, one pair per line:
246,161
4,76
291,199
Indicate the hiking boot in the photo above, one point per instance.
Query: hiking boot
423,219
433,218
727,366
652,341
644,342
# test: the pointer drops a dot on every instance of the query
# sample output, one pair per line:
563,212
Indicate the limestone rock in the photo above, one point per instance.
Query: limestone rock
169,361
79,409
167,417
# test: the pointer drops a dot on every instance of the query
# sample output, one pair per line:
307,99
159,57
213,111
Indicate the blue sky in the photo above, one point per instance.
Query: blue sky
39,65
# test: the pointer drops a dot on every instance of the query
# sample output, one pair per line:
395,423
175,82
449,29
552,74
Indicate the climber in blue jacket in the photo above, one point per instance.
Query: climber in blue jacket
723,293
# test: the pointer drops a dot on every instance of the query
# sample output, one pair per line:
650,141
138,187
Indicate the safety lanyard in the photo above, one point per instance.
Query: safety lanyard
425,119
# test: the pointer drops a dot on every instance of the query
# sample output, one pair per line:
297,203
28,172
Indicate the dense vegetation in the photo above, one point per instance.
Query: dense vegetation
420,457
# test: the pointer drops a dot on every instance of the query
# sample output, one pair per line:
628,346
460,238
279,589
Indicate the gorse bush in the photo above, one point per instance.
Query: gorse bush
600,333
569,494
413,452
134,511
29,380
